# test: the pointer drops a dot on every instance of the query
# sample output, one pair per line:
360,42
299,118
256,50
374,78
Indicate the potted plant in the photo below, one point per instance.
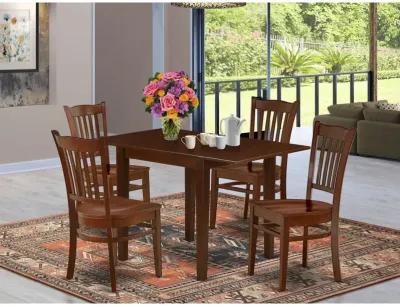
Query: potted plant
170,96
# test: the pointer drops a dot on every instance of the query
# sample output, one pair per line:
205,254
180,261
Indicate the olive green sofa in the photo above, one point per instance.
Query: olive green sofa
378,131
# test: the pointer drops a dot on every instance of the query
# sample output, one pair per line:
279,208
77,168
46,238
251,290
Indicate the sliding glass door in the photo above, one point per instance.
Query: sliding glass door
319,54
388,36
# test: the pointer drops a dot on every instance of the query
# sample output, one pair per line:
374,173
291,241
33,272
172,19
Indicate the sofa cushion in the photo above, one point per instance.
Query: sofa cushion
378,139
370,105
382,115
348,110
389,106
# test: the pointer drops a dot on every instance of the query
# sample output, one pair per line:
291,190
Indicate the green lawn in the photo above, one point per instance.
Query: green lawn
387,89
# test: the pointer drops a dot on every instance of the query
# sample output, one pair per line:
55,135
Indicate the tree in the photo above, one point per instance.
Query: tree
235,38
287,20
337,22
235,41
388,24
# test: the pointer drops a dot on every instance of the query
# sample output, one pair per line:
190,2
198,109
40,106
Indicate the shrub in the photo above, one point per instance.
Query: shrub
335,59
292,62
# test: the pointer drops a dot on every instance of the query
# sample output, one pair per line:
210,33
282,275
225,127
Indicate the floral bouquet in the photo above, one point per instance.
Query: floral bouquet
170,96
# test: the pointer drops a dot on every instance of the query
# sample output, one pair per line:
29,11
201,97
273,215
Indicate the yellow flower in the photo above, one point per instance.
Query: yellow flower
159,76
184,97
186,81
172,114
149,100
195,102
161,93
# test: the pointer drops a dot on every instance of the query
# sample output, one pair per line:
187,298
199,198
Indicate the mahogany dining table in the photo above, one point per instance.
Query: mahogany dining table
150,145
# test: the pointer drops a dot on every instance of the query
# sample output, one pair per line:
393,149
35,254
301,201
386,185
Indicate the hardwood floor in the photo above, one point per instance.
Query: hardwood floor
370,194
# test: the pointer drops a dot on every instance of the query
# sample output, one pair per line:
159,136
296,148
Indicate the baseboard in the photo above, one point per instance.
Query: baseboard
29,166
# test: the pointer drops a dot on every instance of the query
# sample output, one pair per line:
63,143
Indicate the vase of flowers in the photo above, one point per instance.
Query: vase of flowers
170,96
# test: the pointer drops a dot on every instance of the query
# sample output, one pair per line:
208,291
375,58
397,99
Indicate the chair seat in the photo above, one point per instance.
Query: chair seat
296,211
124,212
241,172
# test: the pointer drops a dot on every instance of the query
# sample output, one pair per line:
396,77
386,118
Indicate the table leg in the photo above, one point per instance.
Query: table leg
269,193
123,190
190,200
202,219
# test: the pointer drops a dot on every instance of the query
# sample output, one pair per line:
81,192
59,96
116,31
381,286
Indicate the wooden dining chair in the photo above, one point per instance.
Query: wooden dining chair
271,120
280,216
90,122
95,214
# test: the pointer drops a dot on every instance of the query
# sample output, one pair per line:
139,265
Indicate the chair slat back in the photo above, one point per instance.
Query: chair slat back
84,163
329,153
272,120
87,121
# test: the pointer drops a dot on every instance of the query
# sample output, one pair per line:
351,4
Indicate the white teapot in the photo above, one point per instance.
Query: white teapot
232,129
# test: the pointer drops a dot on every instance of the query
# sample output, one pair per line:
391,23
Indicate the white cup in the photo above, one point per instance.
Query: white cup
203,138
212,140
220,141
189,141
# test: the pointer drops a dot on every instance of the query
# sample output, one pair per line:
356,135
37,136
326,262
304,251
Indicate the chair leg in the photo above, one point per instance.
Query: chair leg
335,253
146,187
111,261
214,199
282,190
114,232
72,252
252,241
282,187
268,238
256,191
305,247
157,244
246,201
284,251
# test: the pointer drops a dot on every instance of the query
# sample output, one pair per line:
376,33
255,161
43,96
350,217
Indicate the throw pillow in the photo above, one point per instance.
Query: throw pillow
348,110
377,115
373,104
389,106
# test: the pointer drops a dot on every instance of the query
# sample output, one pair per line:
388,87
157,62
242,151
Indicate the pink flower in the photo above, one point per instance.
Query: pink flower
150,89
171,75
167,102
191,93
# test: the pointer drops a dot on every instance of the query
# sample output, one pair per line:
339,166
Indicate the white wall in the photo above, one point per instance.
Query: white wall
25,131
71,53
178,42
123,63
178,45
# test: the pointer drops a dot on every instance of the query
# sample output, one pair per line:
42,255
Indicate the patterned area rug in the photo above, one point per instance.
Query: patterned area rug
38,249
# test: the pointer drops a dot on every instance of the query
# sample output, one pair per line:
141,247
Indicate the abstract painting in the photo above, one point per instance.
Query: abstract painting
28,87
18,37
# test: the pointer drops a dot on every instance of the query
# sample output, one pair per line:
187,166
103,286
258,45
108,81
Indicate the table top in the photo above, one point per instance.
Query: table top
249,149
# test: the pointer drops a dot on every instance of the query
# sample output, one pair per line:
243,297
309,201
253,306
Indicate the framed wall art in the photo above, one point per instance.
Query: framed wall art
19,42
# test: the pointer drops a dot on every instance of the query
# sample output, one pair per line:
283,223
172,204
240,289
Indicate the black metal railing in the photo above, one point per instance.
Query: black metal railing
217,87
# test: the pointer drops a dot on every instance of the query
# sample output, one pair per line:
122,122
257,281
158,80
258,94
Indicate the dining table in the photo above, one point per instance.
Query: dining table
150,146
